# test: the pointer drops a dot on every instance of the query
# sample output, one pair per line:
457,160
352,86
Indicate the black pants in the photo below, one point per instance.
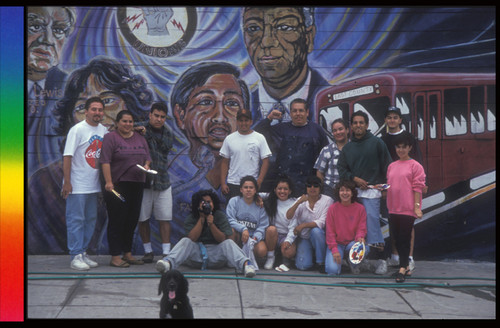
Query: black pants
123,216
400,227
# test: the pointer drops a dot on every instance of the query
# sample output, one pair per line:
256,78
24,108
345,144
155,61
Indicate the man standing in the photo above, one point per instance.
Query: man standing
364,160
393,120
81,184
157,197
278,41
297,143
242,151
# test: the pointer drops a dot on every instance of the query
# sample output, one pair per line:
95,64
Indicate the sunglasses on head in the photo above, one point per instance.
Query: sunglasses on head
315,185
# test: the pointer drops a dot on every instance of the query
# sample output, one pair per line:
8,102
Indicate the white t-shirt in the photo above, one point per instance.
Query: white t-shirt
84,143
245,151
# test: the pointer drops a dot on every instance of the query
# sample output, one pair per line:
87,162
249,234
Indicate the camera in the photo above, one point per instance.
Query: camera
206,208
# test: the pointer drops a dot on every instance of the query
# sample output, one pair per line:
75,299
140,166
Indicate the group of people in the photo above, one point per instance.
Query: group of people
316,199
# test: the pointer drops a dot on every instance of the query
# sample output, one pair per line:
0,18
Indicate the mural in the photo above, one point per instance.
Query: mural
207,62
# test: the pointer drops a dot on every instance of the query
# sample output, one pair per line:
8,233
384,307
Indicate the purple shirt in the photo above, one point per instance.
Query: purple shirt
123,155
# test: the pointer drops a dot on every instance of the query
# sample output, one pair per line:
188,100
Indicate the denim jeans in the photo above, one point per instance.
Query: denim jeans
374,232
307,248
81,217
226,253
332,267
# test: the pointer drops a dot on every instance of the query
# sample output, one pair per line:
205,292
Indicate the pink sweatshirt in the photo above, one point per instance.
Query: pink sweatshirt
344,224
405,177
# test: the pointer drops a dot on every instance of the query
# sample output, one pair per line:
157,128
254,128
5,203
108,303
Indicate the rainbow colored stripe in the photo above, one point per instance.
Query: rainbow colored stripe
12,164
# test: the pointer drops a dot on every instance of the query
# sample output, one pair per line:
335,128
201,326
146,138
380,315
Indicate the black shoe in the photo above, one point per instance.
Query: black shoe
321,268
148,258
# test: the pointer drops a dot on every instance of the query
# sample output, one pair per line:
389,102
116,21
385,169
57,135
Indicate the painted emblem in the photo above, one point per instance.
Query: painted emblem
157,31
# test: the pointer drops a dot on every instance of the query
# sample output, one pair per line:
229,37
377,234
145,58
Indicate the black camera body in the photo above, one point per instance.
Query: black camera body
206,208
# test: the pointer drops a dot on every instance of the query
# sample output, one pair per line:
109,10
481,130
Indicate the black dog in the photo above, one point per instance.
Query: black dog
174,303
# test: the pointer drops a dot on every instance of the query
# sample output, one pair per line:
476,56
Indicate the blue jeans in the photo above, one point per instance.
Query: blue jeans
81,216
374,232
306,248
332,267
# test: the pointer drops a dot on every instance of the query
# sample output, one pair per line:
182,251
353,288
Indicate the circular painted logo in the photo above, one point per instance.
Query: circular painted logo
157,31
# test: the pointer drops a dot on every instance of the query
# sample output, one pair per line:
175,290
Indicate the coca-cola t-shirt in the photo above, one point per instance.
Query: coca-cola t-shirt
83,144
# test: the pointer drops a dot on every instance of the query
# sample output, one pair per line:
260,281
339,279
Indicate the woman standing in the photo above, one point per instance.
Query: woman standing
345,225
276,205
309,214
122,150
407,180
326,164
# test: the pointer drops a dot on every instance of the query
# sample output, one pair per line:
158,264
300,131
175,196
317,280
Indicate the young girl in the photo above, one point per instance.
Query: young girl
345,225
407,180
280,229
248,220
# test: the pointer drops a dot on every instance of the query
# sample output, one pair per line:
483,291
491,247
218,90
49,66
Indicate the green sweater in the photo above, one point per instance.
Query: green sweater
366,158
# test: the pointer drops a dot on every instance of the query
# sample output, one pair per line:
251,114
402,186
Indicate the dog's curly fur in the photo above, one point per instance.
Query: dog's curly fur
174,302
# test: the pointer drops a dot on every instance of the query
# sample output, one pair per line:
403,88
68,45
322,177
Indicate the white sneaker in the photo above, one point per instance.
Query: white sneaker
269,263
381,267
249,271
88,261
411,265
163,266
78,264
392,262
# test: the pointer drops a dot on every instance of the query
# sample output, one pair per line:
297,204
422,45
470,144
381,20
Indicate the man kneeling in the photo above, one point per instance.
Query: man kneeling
207,244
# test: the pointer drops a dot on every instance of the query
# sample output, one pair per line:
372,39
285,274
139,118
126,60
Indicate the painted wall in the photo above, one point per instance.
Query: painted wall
279,53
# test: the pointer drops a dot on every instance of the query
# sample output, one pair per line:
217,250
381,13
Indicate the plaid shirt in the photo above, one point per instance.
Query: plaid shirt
327,164
160,145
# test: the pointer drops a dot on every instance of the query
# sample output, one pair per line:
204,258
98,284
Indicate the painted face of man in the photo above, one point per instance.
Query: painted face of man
113,103
48,30
278,42
210,114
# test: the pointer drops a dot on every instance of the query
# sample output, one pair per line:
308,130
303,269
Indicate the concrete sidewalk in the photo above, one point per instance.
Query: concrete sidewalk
436,290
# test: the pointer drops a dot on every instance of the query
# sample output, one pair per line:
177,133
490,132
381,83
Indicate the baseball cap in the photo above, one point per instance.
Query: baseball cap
244,113
393,109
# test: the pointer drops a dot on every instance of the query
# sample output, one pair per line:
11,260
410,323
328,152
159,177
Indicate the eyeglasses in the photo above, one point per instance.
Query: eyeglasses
310,185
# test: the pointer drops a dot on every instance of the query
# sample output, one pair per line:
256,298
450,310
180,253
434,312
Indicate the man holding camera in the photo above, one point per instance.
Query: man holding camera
207,243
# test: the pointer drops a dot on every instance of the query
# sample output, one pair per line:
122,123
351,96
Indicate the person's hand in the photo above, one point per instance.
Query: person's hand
418,213
224,188
109,186
274,115
259,202
140,129
360,183
146,166
210,219
303,198
298,229
286,245
244,236
337,258
66,189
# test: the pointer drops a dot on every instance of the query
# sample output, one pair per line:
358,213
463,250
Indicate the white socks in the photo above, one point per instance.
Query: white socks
166,248
148,248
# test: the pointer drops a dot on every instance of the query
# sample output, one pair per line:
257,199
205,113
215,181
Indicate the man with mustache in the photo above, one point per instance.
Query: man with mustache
205,101
48,29
278,40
